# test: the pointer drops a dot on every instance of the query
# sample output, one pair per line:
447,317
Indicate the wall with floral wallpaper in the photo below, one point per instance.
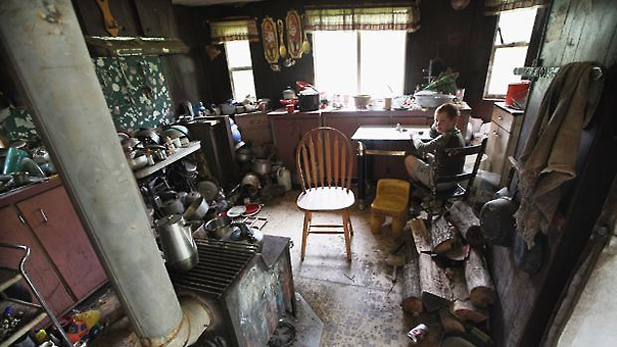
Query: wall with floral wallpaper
135,90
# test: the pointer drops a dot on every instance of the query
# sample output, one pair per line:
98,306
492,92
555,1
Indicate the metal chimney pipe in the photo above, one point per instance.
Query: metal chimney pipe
46,49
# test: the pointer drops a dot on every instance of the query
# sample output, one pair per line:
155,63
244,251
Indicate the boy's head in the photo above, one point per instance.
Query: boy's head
446,117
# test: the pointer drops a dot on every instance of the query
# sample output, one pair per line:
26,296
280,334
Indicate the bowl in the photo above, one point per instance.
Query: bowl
362,101
432,99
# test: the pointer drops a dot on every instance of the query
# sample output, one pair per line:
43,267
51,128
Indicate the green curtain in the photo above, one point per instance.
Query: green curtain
363,18
494,7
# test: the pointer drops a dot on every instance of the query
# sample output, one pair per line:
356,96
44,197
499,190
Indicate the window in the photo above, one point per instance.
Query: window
512,37
360,62
240,69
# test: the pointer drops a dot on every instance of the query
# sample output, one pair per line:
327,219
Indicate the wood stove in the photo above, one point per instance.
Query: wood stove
247,289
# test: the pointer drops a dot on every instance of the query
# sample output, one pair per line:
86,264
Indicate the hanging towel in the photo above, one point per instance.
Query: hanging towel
549,157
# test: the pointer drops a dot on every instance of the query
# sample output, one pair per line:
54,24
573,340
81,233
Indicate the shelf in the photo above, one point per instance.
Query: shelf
177,155
33,315
8,277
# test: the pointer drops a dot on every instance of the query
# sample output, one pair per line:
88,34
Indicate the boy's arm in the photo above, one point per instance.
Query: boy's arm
430,146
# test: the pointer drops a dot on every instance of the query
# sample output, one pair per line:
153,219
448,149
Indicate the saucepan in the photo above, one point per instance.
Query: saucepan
219,227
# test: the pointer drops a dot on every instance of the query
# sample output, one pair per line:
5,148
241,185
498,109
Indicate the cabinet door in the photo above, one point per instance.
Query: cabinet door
496,147
42,274
285,140
54,221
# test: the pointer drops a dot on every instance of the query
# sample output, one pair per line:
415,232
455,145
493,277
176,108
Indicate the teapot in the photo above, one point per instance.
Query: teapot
178,244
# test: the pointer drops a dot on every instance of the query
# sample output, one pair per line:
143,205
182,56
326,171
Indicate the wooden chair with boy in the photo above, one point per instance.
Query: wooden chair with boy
440,198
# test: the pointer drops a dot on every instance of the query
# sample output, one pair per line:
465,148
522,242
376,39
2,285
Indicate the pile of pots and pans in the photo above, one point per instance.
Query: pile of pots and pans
263,178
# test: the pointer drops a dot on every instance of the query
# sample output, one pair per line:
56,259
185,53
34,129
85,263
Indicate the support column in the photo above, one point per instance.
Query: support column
46,49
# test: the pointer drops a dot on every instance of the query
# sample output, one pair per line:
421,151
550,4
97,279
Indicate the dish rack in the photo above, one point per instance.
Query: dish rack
33,313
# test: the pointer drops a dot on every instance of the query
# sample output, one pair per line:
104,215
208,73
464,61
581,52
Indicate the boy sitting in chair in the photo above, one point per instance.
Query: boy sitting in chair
444,134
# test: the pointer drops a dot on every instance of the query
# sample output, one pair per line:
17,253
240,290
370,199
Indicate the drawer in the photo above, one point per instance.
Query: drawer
497,147
503,118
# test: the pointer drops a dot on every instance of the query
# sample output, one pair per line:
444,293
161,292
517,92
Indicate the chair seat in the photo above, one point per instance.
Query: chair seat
389,204
326,199
454,192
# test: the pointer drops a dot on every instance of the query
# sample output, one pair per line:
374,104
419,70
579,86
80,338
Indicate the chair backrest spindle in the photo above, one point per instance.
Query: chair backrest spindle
328,160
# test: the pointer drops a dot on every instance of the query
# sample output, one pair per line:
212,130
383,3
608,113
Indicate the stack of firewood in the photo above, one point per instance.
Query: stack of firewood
460,290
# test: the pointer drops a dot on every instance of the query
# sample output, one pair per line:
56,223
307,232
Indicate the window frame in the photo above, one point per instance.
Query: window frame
358,37
231,70
485,93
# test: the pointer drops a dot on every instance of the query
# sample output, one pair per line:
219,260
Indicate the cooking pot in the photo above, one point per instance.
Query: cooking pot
262,167
289,94
497,221
197,210
244,154
177,242
251,179
173,206
192,197
219,227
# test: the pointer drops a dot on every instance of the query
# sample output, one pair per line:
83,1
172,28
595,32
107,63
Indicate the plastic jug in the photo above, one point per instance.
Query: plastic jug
283,177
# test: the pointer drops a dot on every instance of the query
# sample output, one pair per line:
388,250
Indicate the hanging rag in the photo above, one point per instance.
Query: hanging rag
549,157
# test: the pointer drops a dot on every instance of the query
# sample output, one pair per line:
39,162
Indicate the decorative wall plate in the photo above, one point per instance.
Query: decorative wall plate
270,40
294,34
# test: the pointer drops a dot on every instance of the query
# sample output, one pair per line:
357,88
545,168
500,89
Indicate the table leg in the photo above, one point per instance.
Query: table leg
361,176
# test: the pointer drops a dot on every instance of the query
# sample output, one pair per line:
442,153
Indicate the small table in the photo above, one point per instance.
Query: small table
368,135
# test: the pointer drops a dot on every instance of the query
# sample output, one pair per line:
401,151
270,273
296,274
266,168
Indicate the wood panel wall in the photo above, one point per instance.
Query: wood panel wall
576,31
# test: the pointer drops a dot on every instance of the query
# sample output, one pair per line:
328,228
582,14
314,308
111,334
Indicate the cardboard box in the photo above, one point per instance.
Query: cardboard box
254,127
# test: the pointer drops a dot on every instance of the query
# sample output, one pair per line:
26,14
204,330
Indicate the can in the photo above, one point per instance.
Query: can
417,334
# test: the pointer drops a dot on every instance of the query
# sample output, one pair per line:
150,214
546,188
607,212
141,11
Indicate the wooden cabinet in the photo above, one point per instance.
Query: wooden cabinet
288,129
63,266
505,127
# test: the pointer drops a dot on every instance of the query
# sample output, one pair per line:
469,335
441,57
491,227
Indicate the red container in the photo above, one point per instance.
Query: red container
517,92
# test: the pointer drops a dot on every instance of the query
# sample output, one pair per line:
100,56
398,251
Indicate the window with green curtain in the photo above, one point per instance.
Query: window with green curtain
363,18
233,29
494,7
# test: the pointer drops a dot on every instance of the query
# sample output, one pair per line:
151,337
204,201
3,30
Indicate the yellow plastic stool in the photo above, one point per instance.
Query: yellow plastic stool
391,200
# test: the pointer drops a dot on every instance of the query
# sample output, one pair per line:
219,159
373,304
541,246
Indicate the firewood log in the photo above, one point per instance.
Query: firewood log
450,323
462,217
461,306
412,292
434,283
479,283
442,236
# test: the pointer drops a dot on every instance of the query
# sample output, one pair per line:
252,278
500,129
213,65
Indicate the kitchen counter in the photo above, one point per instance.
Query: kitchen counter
28,190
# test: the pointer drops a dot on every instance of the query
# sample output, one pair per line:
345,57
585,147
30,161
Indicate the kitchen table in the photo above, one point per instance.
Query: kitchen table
397,138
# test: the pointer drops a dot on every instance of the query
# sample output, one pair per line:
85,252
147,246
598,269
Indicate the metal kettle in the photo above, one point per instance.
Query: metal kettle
178,244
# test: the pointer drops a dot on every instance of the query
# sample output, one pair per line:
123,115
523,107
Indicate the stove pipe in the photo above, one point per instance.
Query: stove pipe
46,49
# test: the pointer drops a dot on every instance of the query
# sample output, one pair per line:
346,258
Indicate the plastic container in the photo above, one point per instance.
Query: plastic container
517,93
12,162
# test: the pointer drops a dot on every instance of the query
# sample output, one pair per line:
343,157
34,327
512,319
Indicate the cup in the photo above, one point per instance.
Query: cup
460,94
387,103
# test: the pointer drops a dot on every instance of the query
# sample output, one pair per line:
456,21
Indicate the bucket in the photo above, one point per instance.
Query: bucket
517,93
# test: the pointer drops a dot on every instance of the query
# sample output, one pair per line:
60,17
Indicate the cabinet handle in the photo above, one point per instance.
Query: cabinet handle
21,219
43,215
